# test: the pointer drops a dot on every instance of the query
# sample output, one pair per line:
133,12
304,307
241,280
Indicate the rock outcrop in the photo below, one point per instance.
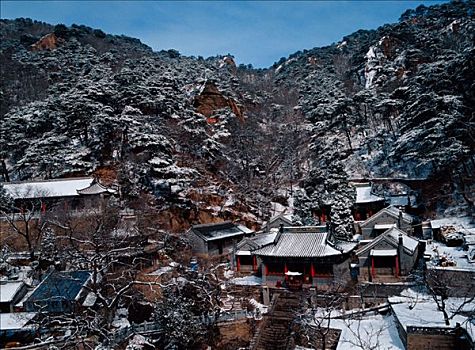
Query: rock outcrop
48,42
211,100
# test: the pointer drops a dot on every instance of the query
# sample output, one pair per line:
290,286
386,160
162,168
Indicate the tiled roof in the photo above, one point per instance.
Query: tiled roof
63,285
299,244
95,188
210,232
264,239
392,211
47,188
364,195
392,236
256,242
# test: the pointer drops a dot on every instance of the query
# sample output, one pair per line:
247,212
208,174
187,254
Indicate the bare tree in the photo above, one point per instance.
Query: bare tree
440,291
364,337
317,326
27,218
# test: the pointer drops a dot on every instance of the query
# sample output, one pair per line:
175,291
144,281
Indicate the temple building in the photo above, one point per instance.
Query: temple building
383,220
305,257
216,238
366,203
246,262
276,221
71,193
388,257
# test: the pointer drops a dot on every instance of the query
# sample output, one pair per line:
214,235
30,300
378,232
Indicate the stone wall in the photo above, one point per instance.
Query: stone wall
425,338
459,282
236,334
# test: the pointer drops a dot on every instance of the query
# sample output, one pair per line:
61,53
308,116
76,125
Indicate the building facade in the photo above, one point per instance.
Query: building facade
388,257
305,257
216,238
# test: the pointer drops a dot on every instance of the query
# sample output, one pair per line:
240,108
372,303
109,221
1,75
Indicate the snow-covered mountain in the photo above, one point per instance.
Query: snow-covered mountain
204,138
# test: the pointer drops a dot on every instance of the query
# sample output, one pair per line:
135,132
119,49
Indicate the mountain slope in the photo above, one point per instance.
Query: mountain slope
206,139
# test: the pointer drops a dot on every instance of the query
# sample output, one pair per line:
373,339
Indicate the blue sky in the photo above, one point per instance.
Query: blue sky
256,32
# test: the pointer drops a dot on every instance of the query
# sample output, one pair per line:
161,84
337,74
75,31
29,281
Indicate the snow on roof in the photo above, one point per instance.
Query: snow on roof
395,211
95,188
264,239
421,311
284,217
215,231
399,200
391,211
47,188
392,236
383,226
376,331
299,244
17,320
364,195
383,252
245,229
243,252
8,291
90,299
408,242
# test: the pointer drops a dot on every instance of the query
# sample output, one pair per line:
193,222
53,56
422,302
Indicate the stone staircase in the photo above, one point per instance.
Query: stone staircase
275,329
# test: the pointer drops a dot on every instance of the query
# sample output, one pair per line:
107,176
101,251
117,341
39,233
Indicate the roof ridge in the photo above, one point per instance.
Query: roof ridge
48,180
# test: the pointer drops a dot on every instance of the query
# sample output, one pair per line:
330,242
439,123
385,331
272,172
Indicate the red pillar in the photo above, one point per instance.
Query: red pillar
397,266
238,263
254,263
266,270
312,270
372,267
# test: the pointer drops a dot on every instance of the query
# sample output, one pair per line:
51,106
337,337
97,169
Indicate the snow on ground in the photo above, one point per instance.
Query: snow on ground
439,250
464,224
120,319
9,290
373,330
261,307
16,320
246,281
417,309
138,342
228,274
162,270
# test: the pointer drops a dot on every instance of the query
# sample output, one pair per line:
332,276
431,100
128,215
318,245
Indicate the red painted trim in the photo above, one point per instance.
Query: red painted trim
238,263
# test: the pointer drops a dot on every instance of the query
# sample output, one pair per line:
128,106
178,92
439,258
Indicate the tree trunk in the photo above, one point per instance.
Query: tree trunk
6,177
